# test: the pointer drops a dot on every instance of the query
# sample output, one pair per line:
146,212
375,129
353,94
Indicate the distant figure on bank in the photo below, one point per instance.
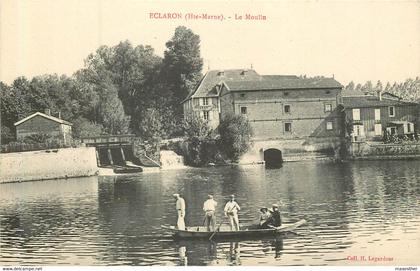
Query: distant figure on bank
180,208
209,209
265,218
275,216
231,211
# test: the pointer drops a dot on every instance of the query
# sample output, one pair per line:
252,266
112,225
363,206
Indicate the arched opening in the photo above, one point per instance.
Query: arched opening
273,158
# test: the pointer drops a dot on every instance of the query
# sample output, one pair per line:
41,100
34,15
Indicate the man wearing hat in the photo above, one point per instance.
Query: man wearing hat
265,218
231,211
275,216
209,209
180,208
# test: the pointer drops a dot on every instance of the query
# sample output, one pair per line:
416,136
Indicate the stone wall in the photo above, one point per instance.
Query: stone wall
370,150
48,164
295,149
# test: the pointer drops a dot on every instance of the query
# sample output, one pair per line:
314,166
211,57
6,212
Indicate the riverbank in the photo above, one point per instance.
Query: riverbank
48,164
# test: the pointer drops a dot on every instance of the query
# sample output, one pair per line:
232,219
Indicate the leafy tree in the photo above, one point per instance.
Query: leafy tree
151,126
367,87
196,127
378,87
85,128
111,110
182,65
350,86
235,136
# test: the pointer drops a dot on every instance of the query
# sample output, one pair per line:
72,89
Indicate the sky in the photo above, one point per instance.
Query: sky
352,40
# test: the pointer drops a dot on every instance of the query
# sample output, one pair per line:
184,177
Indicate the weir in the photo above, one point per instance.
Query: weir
169,159
117,152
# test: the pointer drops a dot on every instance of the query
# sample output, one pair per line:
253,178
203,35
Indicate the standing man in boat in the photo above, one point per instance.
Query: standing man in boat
180,208
209,209
275,216
231,211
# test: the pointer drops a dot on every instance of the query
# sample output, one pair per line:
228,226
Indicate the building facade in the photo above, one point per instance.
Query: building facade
277,106
369,117
40,123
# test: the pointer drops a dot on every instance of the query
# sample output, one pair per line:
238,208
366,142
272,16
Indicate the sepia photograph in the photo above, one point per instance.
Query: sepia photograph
206,133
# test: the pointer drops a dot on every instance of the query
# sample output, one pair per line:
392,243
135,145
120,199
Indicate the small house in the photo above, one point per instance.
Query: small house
369,117
40,123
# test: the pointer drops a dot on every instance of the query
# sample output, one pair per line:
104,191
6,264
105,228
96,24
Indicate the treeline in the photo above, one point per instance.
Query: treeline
121,89
408,90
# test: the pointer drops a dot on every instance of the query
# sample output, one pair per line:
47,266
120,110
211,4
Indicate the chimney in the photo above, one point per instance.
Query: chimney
48,112
380,95
59,114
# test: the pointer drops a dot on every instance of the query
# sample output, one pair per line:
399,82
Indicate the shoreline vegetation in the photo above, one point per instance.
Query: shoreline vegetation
128,88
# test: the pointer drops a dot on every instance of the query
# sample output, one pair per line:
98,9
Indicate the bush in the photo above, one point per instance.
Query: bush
235,136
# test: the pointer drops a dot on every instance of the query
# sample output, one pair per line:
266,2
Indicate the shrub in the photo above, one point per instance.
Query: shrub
235,136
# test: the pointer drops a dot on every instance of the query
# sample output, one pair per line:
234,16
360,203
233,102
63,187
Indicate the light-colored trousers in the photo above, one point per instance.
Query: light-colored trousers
210,220
181,221
234,222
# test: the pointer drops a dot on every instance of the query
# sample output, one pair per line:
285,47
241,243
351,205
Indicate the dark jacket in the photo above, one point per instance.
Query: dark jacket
275,218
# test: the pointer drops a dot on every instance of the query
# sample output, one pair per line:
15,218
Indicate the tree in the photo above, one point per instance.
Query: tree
85,128
235,136
199,139
379,87
111,110
151,126
350,86
182,65
196,127
367,87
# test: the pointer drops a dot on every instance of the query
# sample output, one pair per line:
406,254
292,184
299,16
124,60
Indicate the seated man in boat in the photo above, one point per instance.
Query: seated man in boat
231,211
275,220
265,218
209,209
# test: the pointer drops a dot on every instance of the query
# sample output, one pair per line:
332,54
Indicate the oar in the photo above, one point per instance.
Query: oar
218,228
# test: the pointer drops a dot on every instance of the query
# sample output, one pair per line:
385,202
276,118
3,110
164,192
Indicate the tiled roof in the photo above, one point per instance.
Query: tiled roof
274,77
371,101
45,116
206,86
246,80
283,83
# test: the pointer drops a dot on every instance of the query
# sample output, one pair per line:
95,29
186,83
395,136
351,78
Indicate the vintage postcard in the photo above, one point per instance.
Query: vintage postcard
209,133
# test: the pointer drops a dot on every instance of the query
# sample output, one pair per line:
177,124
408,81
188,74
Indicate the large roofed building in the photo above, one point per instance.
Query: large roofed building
277,106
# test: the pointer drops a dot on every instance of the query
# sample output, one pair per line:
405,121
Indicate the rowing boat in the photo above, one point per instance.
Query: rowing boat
200,232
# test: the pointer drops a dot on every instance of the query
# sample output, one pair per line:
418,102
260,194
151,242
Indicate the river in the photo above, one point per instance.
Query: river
364,209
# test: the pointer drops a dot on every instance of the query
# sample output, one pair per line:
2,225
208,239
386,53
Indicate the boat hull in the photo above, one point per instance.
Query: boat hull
224,233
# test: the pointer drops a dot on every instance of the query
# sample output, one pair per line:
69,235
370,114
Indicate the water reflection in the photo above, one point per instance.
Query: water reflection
350,208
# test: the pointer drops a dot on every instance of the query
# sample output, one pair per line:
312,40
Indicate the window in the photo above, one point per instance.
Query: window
329,125
243,110
288,127
327,92
410,128
205,101
377,114
358,130
242,95
327,107
391,111
286,108
206,115
356,114
378,129
286,93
